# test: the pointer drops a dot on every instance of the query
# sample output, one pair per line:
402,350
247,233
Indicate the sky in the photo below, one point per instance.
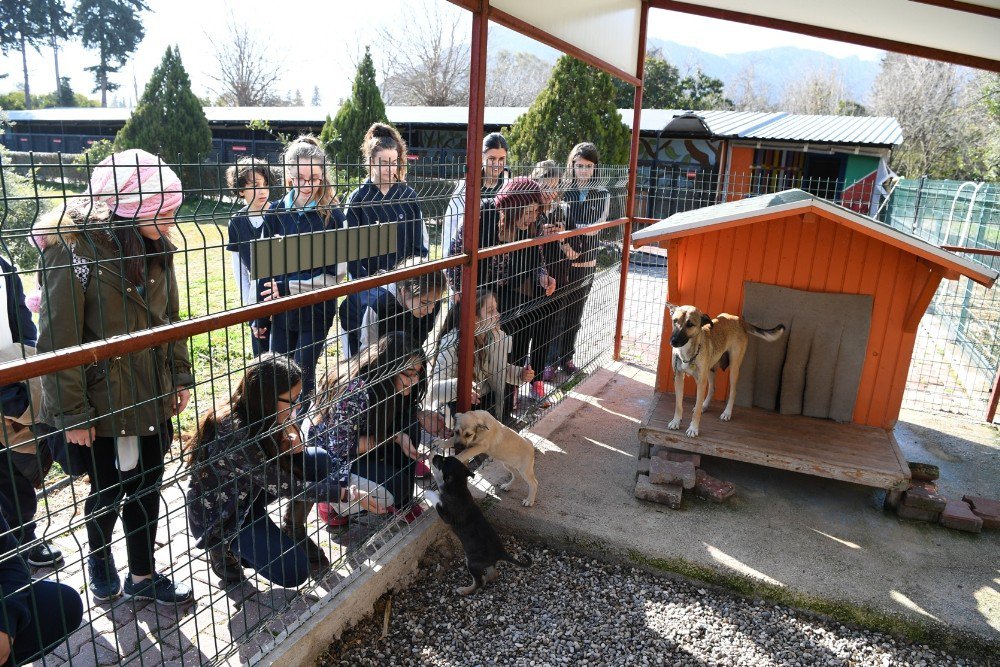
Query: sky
319,43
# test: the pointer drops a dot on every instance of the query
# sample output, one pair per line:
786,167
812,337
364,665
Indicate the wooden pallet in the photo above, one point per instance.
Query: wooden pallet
848,452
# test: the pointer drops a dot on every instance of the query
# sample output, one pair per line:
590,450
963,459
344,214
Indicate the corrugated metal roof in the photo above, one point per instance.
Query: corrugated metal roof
829,129
775,126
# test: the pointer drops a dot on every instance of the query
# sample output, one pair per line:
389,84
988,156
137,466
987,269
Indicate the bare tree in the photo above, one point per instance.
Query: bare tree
515,79
924,96
749,91
245,75
425,61
819,92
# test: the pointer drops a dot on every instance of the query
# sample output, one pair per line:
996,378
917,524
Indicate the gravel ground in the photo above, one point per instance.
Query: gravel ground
573,610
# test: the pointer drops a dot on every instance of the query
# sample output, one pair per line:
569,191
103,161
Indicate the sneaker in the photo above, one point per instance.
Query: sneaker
422,471
104,582
411,515
329,517
549,374
538,389
160,589
225,565
44,554
570,367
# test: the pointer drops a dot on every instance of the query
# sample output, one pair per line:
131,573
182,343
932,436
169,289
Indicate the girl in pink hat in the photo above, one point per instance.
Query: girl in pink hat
107,270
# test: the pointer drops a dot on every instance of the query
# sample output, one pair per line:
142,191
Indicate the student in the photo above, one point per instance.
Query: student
310,205
25,458
493,377
381,389
248,452
554,218
410,305
509,217
383,198
589,204
36,615
108,270
494,172
251,180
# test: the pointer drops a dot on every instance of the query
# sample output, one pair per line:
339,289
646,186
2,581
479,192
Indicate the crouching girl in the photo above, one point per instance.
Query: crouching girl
247,453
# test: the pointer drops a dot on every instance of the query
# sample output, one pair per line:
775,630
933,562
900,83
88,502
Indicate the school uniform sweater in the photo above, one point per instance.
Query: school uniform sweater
383,314
282,219
368,206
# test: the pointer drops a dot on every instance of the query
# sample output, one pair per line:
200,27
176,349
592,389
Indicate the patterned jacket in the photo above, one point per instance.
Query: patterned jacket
232,472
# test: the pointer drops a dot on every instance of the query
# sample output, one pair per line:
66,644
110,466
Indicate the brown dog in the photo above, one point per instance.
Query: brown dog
480,433
700,346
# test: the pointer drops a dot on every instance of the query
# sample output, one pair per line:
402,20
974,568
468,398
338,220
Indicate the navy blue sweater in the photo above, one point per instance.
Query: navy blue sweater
368,206
279,220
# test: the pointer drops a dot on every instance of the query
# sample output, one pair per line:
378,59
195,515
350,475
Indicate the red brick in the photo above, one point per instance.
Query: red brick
957,515
671,472
922,499
665,494
710,488
929,487
986,509
927,472
918,514
679,457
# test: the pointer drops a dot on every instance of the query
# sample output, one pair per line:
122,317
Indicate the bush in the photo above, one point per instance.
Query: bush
19,208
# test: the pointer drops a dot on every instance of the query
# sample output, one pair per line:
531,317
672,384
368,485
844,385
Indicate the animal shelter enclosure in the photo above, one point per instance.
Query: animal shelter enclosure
824,398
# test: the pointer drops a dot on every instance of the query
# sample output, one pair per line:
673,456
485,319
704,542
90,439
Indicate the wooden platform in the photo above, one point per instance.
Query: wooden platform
848,452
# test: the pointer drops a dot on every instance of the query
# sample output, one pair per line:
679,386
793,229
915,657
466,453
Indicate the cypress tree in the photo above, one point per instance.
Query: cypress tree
169,119
577,104
356,114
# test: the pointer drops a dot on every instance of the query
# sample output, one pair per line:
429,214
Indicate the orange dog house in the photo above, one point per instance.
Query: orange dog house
822,400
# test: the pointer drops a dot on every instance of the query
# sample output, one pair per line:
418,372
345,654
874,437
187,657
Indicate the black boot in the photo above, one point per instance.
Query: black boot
294,525
225,565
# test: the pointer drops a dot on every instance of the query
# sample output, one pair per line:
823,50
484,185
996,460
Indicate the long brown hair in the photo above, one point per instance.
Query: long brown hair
306,148
253,407
380,137
136,252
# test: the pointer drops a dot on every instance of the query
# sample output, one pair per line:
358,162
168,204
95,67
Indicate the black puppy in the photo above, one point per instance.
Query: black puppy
458,509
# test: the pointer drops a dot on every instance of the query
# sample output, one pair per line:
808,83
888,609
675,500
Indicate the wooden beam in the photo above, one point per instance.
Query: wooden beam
830,33
919,305
633,168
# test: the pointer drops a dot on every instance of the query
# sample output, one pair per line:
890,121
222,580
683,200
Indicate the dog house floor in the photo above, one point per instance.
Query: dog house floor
848,452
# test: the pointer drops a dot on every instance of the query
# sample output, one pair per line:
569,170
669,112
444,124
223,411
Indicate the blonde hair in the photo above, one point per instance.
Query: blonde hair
380,137
304,149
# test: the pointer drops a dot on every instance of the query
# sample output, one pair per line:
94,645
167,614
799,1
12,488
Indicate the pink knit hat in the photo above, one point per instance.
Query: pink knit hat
135,184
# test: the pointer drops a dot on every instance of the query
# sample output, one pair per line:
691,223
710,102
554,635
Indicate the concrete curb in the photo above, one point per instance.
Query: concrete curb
354,598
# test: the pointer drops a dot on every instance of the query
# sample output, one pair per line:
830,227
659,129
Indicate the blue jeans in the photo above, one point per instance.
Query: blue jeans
56,611
263,546
302,334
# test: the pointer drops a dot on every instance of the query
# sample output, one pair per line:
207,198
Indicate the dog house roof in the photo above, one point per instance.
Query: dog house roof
798,202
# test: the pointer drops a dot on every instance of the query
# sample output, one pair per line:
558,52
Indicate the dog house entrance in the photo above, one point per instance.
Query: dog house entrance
796,396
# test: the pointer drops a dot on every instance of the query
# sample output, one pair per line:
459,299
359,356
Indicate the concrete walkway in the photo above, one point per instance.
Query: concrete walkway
817,539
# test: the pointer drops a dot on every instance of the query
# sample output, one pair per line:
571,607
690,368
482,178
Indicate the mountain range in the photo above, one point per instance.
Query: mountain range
773,67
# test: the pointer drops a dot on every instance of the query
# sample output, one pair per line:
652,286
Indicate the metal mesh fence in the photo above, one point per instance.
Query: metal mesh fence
238,383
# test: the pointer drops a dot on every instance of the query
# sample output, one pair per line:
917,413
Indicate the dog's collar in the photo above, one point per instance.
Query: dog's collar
693,357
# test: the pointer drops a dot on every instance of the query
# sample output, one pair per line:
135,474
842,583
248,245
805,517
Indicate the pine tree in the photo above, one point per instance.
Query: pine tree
114,29
577,104
169,119
356,114
65,97
316,100
22,25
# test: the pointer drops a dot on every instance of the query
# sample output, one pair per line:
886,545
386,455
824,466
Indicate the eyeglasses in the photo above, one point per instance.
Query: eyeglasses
306,181
290,401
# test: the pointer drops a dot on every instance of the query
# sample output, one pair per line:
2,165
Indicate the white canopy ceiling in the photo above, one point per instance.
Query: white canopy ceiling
963,32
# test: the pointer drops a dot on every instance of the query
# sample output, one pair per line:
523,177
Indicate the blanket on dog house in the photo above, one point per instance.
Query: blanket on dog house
723,258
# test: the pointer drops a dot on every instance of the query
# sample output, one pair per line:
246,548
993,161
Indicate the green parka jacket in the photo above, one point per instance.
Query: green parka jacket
86,297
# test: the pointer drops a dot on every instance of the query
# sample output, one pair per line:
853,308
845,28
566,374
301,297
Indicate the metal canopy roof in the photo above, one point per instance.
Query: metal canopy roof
793,202
853,130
